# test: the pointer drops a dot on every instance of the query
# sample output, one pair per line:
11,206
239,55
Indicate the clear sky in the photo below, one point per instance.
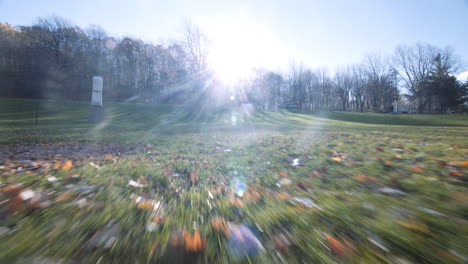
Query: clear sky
270,33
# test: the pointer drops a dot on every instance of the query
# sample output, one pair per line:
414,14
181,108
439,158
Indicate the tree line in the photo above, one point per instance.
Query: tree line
56,59
421,76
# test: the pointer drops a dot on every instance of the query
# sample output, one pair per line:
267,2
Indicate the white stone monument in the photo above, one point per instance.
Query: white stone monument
96,99
96,114
395,106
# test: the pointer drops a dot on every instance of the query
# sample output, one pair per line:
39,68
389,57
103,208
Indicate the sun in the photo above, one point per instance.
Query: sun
238,47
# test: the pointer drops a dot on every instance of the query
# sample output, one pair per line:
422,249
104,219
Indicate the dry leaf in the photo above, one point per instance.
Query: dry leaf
455,174
315,173
417,168
364,178
193,176
336,159
64,196
220,225
443,163
282,174
388,162
336,247
146,205
194,243
152,249
67,165
415,225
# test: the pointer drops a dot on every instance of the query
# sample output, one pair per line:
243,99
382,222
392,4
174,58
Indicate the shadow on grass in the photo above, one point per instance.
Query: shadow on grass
456,120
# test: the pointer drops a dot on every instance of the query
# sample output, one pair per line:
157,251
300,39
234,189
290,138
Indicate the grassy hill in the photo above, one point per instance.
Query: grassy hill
366,188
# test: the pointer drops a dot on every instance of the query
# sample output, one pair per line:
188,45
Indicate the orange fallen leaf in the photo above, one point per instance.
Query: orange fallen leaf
417,168
388,162
219,225
455,174
415,225
63,196
284,196
15,202
67,165
336,247
146,205
463,164
398,156
282,174
108,157
364,178
252,196
193,176
460,196
152,249
194,243
336,159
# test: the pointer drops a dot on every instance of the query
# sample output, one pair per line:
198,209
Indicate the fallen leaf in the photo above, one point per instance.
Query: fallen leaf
193,176
108,157
364,178
336,159
219,225
282,174
336,247
194,243
64,196
388,162
146,205
152,249
67,165
415,225
379,149
455,174
168,171
463,164
315,173
417,168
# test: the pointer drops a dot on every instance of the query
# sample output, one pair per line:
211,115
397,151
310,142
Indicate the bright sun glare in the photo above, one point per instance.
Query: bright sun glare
238,47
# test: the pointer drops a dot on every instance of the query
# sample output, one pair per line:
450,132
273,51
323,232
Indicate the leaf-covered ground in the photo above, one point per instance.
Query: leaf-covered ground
163,184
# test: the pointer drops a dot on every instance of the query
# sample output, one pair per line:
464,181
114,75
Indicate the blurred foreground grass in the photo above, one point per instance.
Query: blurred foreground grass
319,187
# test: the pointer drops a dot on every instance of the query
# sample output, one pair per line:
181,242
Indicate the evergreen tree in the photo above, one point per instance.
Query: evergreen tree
443,88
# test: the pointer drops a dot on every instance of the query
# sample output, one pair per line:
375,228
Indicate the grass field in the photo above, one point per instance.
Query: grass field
166,184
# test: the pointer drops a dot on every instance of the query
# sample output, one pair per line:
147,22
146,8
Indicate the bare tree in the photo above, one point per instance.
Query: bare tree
414,65
344,82
195,45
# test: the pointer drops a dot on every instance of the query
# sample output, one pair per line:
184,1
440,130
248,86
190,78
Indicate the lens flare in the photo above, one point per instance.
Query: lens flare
238,187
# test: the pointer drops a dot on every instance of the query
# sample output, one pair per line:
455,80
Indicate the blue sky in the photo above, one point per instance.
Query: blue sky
326,33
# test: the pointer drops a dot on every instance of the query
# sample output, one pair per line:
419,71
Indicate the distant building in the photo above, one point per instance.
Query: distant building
402,109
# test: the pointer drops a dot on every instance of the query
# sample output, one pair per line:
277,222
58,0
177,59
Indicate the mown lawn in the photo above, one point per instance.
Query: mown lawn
165,184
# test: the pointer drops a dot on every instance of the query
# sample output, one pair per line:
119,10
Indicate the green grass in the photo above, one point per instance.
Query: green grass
398,151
